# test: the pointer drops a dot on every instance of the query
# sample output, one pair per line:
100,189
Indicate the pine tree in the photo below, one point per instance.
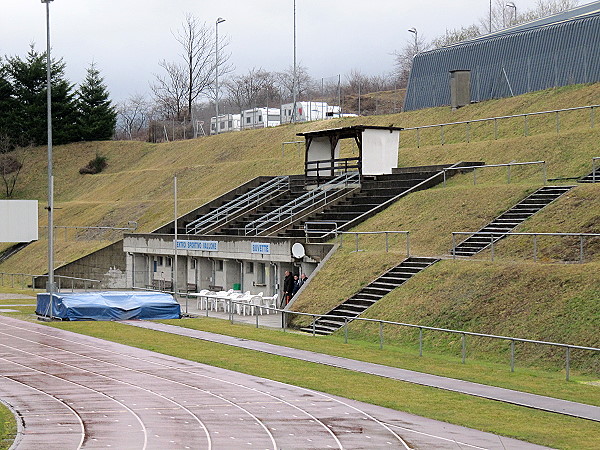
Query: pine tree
97,117
27,116
6,102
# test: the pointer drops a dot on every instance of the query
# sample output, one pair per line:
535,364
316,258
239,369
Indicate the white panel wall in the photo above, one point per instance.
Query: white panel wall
319,150
379,151
18,220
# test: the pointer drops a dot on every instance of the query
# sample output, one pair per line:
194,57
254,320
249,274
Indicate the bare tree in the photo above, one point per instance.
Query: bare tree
501,18
404,59
249,90
194,75
456,35
11,163
304,83
133,116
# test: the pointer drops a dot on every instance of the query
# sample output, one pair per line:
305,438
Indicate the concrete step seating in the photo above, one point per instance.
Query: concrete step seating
367,296
507,221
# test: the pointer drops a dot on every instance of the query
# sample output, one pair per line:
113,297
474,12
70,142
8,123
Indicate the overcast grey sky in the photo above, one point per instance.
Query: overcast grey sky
127,38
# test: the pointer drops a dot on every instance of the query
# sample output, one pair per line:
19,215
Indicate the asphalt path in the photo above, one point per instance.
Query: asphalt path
71,391
540,402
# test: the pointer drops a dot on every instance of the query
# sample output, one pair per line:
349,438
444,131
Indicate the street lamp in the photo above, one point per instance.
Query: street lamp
414,31
295,80
50,287
513,6
217,22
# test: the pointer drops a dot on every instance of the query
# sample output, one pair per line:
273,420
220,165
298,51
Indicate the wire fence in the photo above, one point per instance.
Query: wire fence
31,281
479,129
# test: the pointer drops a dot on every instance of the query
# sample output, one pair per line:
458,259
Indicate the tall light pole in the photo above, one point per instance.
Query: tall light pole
513,6
295,80
490,30
217,22
50,287
415,32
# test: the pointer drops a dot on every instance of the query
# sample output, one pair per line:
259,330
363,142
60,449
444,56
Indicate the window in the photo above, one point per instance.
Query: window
160,260
230,124
260,118
221,125
219,265
212,126
169,261
249,267
261,275
247,119
193,263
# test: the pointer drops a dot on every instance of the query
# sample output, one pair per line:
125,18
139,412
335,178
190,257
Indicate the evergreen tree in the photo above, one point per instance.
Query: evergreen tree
6,102
97,117
28,113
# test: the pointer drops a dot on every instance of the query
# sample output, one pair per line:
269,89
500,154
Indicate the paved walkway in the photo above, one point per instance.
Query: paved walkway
540,402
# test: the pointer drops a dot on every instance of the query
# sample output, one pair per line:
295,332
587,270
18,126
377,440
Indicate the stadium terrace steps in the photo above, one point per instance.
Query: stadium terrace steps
592,177
510,219
367,296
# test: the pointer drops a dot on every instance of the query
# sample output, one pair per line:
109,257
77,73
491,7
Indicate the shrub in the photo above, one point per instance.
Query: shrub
96,165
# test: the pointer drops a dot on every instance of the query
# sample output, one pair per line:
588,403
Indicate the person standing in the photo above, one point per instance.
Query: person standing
296,285
288,288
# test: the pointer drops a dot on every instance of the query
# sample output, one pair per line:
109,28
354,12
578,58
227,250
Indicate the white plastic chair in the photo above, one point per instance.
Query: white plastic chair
201,298
243,301
270,302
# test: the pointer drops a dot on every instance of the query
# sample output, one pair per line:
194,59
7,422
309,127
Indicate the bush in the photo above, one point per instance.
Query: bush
96,165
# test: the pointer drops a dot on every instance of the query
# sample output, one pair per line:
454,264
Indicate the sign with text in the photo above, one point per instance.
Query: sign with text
204,246
263,248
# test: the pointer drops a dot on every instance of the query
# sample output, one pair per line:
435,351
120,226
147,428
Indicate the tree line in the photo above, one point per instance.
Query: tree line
83,113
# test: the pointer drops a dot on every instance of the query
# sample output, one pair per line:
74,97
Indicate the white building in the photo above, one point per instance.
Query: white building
260,118
307,111
227,122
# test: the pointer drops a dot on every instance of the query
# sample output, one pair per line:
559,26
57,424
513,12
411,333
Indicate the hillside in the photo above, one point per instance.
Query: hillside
138,186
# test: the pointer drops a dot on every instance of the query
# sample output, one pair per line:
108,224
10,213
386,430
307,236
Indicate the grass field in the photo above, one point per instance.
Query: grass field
8,427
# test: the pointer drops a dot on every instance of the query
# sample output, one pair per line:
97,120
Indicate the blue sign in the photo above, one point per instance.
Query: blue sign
204,246
264,248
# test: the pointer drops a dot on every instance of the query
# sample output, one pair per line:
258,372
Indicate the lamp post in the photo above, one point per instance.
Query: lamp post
414,31
217,22
490,29
50,287
295,80
513,6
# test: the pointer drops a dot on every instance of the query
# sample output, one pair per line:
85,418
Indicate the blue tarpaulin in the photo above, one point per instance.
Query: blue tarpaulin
110,305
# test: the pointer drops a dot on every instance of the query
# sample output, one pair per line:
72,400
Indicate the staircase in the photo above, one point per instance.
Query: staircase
510,219
368,295
592,177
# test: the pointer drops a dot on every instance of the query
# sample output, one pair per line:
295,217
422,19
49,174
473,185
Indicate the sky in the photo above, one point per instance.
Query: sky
126,39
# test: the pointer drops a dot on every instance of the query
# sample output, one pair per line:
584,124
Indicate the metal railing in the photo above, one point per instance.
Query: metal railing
336,232
286,213
507,165
22,280
594,159
230,210
327,168
230,303
132,227
495,236
495,120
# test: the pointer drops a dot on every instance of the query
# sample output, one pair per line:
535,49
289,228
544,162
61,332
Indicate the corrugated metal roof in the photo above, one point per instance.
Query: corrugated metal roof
505,64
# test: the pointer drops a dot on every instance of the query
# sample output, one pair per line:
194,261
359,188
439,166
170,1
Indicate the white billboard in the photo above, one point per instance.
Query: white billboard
18,220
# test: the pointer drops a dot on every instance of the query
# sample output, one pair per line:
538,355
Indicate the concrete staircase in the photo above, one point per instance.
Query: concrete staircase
592,177
368,295
510,219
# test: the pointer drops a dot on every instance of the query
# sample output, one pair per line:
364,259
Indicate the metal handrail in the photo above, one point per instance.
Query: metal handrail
508,165
495,119
33,277
300,204
421,328
252,197
594,159
497,235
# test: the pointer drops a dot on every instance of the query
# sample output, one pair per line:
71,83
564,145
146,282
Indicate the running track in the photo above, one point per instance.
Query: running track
72,391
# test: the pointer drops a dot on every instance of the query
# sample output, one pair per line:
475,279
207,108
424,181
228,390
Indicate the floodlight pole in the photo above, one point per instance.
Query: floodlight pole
217,22
50,286
295,80
174,283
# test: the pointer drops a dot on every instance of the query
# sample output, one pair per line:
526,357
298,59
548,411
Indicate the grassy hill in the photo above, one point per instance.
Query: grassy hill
138,186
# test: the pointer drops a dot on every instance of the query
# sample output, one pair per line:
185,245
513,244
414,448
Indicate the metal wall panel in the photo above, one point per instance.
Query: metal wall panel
511,64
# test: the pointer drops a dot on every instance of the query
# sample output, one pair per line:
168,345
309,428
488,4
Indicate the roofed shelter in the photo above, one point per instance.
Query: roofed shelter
377,150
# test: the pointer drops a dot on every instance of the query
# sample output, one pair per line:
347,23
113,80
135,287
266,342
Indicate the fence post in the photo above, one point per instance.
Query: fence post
568,363
535,248
442,134
345,330
256,313
380,335
444,170
512,355
453,246
387,245
356,239
557,123
420,341
314,324
418,137
492,244
284,323
592,117
580,249
468,132
407,243
545,173
508,173
495,128
464,347
526,125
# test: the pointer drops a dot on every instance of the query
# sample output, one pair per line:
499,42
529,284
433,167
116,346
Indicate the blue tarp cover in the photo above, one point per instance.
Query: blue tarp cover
111,305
